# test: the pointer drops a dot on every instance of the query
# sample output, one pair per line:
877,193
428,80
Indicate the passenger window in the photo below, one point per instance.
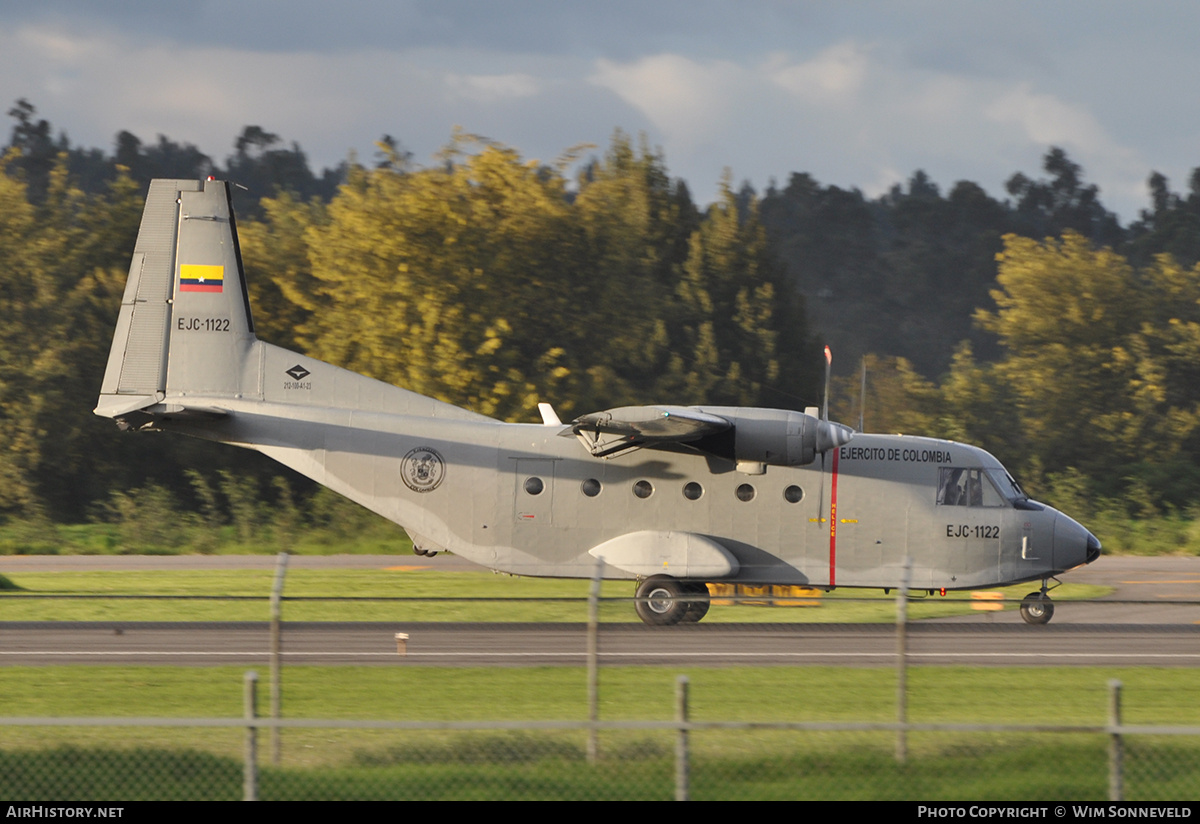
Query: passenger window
692,491
643,489
745,493
534,486
590,487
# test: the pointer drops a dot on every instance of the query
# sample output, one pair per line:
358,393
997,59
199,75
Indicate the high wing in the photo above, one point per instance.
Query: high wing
751,437
630,427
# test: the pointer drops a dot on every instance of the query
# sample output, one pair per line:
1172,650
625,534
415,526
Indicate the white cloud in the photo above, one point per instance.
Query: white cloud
491,88
680,96
836,74
58,46
885,178
330,102
860,114
1046,120
853,104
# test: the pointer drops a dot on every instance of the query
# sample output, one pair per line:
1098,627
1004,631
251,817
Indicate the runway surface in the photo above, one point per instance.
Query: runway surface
448,644
1151,619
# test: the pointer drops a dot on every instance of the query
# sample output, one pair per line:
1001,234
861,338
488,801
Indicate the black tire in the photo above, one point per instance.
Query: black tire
1037,608
659,601
698,608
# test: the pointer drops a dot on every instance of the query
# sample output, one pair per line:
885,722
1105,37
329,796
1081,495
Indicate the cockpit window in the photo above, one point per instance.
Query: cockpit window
967,487
1007,485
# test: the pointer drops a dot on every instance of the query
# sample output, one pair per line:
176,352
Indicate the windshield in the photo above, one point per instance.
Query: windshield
1008,487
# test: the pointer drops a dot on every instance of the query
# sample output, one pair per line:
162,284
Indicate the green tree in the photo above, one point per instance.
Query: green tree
735,321
443,280
275,252
1062,203
635,225
1098,378
484,282
65,264
1065,315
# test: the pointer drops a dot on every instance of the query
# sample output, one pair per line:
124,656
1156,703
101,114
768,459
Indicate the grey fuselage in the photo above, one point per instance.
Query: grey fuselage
861,511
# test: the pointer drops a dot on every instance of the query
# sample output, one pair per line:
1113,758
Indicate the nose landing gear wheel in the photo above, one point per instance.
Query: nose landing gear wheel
1037,608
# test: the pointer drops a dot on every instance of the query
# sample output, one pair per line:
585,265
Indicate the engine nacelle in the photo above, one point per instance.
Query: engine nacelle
774,437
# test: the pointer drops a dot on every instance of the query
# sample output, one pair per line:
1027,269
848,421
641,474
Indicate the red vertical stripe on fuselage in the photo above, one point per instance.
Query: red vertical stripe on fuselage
833,522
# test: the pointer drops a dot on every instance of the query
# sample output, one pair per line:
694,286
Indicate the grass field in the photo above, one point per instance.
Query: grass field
408,593
1041,695
120,764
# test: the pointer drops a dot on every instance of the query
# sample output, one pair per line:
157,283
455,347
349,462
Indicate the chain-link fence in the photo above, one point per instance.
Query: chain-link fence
128,759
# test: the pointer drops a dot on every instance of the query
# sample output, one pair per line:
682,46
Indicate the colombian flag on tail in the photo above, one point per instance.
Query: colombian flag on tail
197,278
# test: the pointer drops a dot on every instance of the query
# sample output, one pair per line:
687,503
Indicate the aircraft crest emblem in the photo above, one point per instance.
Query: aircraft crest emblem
423,469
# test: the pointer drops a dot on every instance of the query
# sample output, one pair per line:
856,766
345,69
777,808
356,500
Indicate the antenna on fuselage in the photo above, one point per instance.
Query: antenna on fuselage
824,417
862,395
828,366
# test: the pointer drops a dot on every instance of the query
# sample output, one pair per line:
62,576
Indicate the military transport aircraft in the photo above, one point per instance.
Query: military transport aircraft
670,497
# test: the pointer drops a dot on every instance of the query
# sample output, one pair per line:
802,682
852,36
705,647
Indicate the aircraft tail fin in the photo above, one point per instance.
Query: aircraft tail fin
185,325
184,347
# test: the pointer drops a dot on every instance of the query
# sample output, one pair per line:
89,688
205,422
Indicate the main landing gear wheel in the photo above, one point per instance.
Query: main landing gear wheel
1037,608
660,601
698,608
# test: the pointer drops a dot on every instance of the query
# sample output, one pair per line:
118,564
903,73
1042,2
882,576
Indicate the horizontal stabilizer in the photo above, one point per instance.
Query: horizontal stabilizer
679,554
118,406
152,414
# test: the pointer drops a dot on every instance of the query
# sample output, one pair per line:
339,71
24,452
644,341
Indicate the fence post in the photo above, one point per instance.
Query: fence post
593,663
1116,777
682,767
250,755
276,643
902,663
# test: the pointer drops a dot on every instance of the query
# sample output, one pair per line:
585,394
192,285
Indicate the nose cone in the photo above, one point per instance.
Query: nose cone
1073,544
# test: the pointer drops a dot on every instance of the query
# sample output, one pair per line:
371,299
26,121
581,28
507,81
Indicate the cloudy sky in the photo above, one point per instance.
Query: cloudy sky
855,93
